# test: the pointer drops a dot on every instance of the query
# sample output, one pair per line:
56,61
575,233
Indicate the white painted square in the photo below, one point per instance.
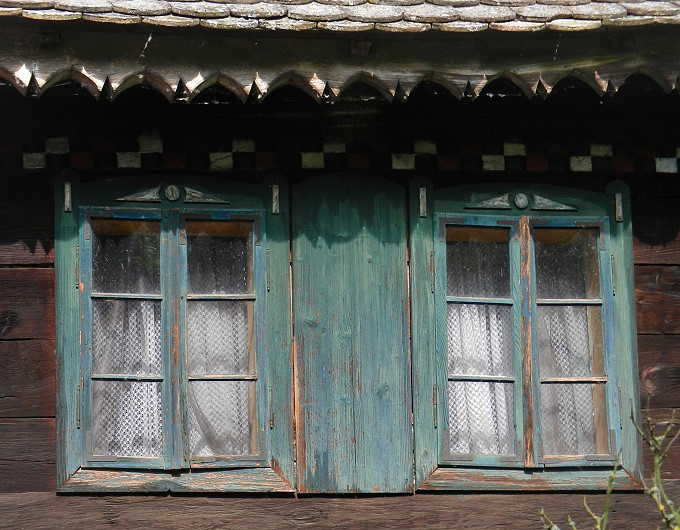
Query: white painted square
403,161
243,146
34,160
334,147
57,146
129,159
312,160
493,162
224,160
601,150
666,165
582,164
425,147
514,149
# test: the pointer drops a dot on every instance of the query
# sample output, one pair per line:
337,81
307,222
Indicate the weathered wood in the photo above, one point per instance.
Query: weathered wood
27,383
668,254
26,303
659,361
254,479
657,299
40,510
661,418
351,334
27,455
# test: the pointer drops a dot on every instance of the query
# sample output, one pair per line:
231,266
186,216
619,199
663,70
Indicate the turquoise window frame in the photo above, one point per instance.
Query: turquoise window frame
271,468
432,209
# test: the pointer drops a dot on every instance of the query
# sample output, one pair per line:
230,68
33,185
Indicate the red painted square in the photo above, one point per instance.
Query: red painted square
448,163
624,164
174,160
537,163
358,161
266,161
81,160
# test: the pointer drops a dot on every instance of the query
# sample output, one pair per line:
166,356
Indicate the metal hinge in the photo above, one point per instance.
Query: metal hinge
68,205
618,200
271,409
276,209
434,405
432,271
269,276
423,202
77,267
613,277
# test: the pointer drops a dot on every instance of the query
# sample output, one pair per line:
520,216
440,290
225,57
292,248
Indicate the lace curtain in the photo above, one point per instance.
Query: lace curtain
479,343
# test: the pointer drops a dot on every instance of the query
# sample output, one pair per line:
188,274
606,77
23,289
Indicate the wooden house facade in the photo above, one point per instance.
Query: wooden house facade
336,263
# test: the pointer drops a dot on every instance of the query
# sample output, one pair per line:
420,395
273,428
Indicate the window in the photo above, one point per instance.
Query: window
533,339
170,345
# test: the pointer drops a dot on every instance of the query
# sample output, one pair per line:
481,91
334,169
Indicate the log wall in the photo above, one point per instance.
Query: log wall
27,359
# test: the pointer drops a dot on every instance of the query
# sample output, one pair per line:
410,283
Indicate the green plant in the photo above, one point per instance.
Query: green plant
659,445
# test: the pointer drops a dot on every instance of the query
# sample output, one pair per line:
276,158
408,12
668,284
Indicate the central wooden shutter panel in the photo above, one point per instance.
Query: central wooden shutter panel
350,317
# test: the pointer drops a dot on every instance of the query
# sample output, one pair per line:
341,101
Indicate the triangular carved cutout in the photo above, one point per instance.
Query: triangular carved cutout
543,203
196,196
501,202
150,195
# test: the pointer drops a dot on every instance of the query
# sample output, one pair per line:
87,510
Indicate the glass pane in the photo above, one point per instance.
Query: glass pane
479,339
126,336
481,418
570,341
567,262
127,418
125,256
219,255
574,419
477,261
220,340
222,418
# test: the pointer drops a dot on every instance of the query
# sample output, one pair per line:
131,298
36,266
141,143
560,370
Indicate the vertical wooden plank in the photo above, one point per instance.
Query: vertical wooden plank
422,330
527,356
278,330
351,335
624,326
66,323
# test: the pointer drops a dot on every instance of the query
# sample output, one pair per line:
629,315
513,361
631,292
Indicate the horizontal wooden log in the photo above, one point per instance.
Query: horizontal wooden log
657,299
26,237
661,419
666,254
27,455
29,510
26,303
659,365
26,221
27,383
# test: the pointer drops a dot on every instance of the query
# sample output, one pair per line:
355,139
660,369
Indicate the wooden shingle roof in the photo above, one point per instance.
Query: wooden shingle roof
392,16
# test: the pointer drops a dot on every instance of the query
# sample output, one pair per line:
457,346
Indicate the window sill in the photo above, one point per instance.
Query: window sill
255,480
513,480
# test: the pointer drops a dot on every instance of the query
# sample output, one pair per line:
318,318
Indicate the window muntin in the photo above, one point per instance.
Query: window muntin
171,311
563,407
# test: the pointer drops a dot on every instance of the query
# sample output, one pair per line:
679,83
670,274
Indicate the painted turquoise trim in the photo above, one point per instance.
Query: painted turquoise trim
511,480
625,329
245,200
68,377
278,338
619,336
424,359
